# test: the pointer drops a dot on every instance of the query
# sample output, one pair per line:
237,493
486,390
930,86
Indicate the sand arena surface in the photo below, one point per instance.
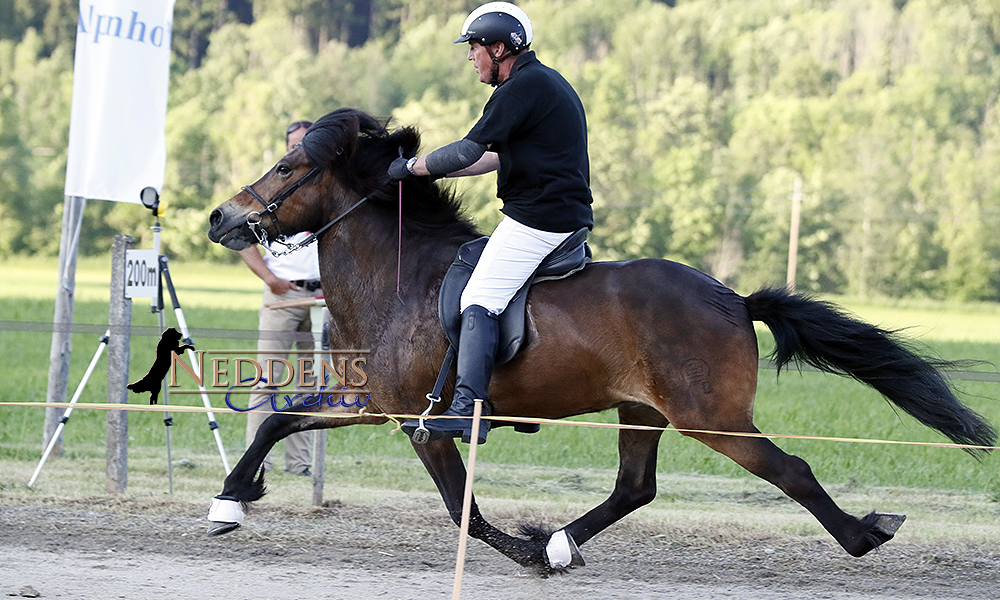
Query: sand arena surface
137,549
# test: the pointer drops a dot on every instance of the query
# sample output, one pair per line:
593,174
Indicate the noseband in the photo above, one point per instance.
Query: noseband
270,209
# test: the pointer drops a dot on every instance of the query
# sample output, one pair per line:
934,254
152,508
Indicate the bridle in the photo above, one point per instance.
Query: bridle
255,217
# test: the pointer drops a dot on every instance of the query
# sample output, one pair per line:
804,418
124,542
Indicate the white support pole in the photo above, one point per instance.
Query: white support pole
793,235
456,590
62,321
69,410
213,425
156,306
317,315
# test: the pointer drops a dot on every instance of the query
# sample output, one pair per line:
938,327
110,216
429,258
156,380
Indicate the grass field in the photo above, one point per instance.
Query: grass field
221,301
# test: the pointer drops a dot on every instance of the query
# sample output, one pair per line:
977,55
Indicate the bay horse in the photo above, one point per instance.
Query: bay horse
655,340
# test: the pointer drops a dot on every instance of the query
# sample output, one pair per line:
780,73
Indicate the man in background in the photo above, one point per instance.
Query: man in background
289,277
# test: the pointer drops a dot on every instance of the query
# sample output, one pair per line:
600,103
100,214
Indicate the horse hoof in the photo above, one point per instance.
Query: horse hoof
889,523
225,514
877,529
222,528
562,551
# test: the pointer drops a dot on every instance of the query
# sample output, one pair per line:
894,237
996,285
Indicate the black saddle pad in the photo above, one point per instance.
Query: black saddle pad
568,258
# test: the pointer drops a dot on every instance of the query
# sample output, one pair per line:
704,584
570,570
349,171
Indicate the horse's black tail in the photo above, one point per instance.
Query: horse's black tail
825,337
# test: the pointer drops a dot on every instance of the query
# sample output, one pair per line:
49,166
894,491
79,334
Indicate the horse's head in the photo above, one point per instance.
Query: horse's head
277,204
342,157
342,160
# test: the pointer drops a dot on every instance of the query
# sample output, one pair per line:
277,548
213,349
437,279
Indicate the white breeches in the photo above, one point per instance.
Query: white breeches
510,257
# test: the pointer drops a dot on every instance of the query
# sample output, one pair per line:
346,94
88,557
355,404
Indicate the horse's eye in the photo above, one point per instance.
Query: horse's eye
283,170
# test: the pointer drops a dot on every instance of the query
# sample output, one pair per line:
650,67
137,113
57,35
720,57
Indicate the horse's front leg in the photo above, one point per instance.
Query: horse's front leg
241,488
444,463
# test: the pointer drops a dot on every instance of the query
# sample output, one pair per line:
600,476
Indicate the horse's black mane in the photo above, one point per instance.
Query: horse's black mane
358,149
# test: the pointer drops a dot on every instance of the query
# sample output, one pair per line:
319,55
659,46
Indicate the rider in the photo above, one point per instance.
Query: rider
534,131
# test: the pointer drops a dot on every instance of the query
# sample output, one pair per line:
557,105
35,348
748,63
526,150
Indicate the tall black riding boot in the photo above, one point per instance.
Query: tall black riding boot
477,347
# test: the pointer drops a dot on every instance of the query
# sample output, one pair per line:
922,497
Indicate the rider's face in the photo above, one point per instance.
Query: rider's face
482,59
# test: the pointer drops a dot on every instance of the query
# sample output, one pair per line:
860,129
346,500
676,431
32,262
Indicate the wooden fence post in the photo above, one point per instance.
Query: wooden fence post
119,323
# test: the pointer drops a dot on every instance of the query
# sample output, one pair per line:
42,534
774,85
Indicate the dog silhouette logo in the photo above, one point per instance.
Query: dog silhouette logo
153,380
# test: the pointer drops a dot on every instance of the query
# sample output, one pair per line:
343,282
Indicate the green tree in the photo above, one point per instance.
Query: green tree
35,96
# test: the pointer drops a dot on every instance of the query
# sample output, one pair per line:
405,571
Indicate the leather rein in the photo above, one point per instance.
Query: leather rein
270,209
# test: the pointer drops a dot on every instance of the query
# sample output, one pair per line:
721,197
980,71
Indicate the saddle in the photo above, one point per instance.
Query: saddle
567,258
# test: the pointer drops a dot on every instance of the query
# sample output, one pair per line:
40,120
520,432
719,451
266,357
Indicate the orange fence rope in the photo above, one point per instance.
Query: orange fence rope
398,418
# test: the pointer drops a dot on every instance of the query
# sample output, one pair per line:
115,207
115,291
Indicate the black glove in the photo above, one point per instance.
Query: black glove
398,170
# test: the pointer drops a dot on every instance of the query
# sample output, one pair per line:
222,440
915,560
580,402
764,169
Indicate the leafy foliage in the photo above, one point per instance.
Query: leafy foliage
702,115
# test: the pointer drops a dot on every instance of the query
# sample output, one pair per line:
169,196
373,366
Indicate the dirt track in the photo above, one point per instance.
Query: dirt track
133,549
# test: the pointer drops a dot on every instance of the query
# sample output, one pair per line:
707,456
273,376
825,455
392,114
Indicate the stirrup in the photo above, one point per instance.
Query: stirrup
421,435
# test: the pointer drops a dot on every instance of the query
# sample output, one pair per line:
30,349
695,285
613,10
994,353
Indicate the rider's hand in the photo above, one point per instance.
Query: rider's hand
399,169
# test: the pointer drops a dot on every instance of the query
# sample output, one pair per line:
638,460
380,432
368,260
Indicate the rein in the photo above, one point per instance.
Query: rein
254,218
312,236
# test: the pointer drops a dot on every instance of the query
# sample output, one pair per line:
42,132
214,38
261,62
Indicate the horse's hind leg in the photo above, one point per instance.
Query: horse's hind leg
635,487
636,483
444,463
793,476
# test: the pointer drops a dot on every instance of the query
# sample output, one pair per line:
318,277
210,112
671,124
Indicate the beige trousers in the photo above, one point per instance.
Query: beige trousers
279,330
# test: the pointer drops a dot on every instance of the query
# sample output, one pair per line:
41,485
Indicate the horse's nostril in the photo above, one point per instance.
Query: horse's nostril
215,218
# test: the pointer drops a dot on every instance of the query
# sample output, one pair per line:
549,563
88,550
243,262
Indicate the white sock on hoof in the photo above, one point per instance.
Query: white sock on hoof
562,551
225,511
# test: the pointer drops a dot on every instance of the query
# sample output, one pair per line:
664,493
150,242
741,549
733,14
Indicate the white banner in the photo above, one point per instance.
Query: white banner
117,143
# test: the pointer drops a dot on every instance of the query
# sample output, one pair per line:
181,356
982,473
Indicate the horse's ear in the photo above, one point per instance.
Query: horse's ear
409,140
350,140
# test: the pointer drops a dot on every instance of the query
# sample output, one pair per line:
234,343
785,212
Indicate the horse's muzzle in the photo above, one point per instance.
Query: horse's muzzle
227,227
214,221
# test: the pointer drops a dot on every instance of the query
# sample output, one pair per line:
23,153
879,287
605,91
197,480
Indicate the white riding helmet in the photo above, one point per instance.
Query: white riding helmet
498,22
